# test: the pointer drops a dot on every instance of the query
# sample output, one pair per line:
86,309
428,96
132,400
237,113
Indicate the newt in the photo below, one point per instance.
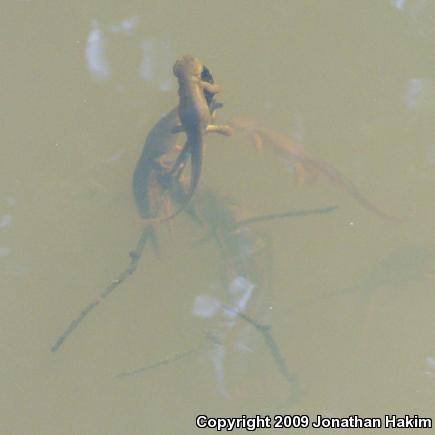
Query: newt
149,174
196,120
284,147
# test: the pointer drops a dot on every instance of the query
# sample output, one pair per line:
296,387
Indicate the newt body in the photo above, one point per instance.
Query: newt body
149,173
195,93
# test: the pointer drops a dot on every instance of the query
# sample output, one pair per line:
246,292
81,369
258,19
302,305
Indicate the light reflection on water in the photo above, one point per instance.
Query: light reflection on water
153,57
352,304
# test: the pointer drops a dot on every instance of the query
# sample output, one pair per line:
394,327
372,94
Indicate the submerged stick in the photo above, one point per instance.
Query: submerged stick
289,214
147,233
273,347
162,362
263,330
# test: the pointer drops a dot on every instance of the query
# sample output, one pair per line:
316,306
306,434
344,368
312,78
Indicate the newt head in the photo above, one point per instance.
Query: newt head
188,66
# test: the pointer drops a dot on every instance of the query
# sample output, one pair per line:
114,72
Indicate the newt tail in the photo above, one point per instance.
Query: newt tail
349,186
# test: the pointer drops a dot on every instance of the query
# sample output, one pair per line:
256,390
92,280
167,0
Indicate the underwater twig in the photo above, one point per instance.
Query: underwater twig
289,214
264,330
162,362
147,234
271,217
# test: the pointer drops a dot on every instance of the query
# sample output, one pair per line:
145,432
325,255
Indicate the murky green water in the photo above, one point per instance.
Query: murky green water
349,295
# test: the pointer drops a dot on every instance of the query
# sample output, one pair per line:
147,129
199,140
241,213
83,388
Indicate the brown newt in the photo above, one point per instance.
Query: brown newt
304,163
149,174
196,121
